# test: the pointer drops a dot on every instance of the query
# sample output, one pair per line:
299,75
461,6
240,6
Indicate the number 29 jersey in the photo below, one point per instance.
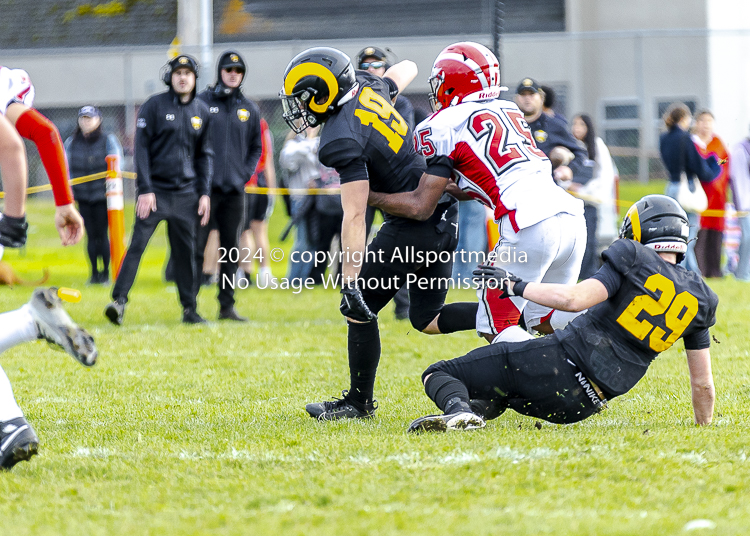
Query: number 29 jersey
651,304
367,139
488,149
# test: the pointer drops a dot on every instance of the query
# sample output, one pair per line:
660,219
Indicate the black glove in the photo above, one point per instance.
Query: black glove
353,304
496,277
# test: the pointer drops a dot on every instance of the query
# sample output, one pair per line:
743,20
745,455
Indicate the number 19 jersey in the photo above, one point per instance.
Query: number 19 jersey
495,160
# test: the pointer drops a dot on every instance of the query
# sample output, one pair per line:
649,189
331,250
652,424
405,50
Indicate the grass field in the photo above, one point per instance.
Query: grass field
201,430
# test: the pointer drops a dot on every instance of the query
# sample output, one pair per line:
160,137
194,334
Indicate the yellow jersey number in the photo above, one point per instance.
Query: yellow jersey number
382,109
678,312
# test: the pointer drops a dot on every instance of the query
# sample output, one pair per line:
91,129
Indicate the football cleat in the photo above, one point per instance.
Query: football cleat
191,316
57,328
13,231
18,442
115,311
442,423
488,409
340,408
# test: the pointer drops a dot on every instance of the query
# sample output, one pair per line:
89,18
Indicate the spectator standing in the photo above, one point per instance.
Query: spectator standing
299,158
87,151
174,163
254,239
739,173
600,191
550,132
235,130
680,154
549,104
711,233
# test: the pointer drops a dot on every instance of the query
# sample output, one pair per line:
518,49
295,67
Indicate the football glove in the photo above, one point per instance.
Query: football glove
353,304
495,277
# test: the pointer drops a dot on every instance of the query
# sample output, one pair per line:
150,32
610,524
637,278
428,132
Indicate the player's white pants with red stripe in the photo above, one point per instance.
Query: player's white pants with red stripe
550,251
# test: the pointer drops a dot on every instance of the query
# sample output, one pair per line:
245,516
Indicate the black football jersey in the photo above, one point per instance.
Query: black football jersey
656,303
367,139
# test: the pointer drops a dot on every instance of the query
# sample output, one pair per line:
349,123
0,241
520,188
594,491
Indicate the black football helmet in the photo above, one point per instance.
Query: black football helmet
316,82
657,222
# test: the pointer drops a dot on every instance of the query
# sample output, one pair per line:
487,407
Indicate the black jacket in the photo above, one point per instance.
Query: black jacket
173,145
680,154
549,133
87,155
236,135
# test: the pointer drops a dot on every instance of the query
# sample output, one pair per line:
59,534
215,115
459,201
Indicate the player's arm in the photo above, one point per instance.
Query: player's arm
402,74
453,189
702,385
572,298
353,228
418,204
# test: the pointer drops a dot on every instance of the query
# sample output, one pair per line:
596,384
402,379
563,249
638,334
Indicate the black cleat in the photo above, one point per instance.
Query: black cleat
442,423
340,408
13,231
115,311
230,313
488,409
191,316
18,442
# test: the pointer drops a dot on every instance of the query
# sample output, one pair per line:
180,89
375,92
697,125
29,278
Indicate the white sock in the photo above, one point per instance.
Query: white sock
265,272
512,334
560,319
8,407
16,327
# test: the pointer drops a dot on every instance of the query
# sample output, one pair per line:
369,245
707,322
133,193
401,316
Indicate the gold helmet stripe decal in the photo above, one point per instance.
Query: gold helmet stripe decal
635,222
315,69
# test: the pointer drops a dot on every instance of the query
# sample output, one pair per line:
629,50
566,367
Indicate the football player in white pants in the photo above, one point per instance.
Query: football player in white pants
42,318
479,147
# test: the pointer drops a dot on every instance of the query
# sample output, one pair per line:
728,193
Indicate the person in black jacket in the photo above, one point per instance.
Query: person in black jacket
174,164
235,129
680,154
87,150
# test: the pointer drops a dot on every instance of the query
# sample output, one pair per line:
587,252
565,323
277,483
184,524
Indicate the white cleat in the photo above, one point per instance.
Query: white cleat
57,328
444,423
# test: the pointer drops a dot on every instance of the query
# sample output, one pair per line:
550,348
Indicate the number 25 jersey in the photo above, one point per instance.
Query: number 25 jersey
651,304
492,156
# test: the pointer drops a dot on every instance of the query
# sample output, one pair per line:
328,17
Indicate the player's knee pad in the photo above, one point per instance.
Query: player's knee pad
432,369
512,334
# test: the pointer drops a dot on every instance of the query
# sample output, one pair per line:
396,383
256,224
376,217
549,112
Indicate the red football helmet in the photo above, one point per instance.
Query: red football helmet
464,72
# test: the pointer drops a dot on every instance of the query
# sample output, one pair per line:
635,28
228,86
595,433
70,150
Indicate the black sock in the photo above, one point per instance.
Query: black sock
448,393
364,356
461,316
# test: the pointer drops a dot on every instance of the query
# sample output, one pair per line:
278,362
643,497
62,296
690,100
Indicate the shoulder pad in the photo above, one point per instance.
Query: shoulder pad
621,254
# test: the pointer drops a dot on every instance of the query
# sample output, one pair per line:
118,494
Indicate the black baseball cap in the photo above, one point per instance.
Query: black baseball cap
231,59
528,84
371,52
89,111
183,60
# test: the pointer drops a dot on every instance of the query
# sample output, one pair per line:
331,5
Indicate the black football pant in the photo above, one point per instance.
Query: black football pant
534,378
227,215
179,210
95,221
401,298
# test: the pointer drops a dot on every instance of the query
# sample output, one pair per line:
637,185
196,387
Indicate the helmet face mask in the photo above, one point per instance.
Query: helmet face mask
316,82
436,82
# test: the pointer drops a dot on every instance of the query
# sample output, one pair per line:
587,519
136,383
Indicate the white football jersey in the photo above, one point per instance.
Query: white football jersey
496,161
15,86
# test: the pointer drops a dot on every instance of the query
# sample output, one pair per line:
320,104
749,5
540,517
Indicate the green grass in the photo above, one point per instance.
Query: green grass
201,430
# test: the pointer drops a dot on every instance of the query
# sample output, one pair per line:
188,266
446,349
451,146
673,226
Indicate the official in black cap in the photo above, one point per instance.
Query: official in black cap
174,163
235,129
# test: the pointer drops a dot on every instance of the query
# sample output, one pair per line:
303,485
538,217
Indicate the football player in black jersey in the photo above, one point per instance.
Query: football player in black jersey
371,147
639,303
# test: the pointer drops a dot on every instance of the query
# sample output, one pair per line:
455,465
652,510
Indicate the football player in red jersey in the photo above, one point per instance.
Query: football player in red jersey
18,117
480,147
